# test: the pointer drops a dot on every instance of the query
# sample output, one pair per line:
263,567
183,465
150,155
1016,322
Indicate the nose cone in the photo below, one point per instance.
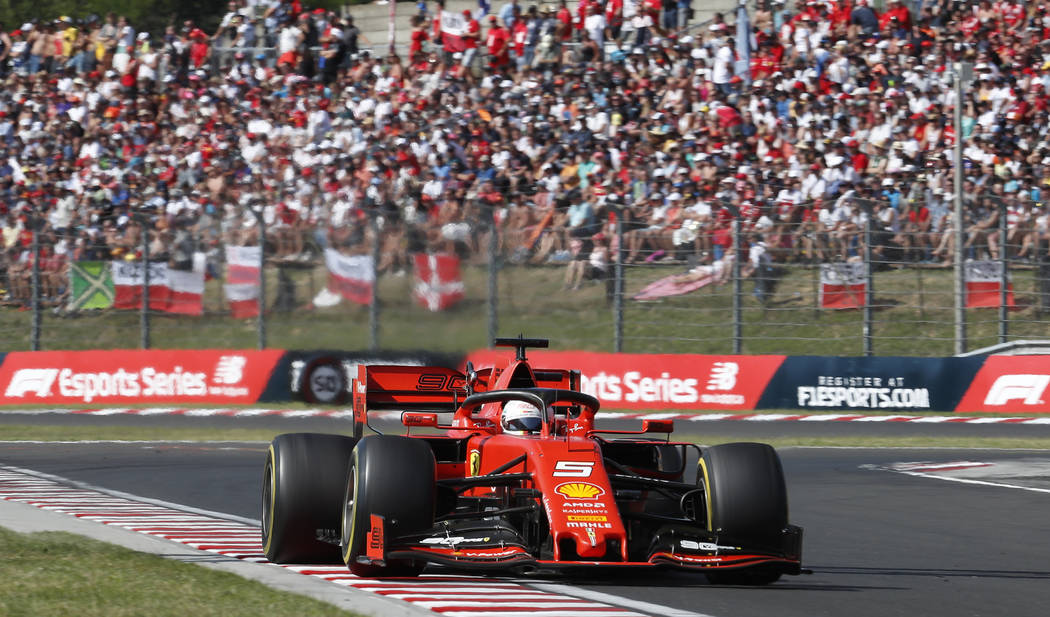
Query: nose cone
591,545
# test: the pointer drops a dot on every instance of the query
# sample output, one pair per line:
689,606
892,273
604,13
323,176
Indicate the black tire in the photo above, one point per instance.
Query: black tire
394,477
746,502
303,484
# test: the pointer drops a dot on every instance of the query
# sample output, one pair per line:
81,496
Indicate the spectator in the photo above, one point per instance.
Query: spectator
532,143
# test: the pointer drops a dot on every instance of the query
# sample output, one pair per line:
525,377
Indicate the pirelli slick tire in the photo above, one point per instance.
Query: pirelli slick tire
303,484
393,477
746,503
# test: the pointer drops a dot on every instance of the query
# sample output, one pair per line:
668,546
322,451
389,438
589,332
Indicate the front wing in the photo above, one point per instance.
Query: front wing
499,548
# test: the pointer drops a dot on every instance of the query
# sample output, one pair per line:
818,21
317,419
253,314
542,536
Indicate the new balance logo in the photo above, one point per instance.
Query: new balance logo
1025,388
35,380
723,376
230,370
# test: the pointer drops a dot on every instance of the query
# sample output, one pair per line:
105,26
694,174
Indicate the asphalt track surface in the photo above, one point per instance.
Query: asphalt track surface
879,542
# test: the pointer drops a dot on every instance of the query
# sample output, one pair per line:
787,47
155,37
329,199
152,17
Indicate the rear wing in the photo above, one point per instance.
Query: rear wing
406,388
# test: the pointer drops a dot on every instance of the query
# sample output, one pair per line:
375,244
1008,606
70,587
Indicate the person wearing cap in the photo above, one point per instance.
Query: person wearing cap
471,37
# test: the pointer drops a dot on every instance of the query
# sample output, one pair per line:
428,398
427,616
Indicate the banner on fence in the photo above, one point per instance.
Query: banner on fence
659,381
242,280
90,285
827,383
453,27
439,284
1010,384
350,277
842,285
170,290
136,376
984,284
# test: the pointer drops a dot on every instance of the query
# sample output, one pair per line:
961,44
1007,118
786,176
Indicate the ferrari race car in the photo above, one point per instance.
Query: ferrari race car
503,468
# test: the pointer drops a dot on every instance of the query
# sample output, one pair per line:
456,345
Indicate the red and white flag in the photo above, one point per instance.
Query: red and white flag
242,280
983,284
453,27
842,286
439,283
350,276
170,290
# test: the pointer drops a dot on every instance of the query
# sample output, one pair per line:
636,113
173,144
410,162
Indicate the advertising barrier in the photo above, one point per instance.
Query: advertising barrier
324,377
1009,384
869,384
135,377
659,381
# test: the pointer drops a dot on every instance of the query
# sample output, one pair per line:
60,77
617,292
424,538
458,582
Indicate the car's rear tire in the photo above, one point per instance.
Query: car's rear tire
393,477
303,483
746,500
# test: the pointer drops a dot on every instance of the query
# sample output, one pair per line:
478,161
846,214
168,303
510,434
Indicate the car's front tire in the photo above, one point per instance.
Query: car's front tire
303,483
746,499
393,477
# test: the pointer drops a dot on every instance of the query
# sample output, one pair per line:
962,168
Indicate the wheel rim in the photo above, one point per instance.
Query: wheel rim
347,534
267,503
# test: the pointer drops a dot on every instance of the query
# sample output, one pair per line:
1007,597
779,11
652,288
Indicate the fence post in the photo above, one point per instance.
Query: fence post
34,299
738,285
618,285
869,278
493,301
1003,273
144,313
961,74
373,306
260,319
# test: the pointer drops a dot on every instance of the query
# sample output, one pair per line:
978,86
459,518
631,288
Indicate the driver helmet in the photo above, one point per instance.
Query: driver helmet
521,417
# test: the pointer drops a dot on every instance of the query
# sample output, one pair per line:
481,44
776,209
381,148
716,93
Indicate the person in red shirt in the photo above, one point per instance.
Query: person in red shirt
565,17
897,18
498,44
519,34
614,18
470,40
418,36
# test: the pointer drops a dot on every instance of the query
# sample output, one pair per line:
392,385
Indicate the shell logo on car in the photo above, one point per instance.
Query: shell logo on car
579,490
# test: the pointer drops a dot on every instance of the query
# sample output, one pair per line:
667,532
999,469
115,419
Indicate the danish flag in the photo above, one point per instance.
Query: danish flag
439,284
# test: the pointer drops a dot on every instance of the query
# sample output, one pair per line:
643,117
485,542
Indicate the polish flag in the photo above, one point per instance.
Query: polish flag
242,280
842,286
170,290
983,280
350,276
453,27
439,284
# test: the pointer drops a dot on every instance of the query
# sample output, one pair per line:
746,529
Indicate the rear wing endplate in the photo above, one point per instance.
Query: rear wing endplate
405,388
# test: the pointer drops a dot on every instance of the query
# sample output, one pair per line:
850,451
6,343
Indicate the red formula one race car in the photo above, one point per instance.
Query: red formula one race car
503,468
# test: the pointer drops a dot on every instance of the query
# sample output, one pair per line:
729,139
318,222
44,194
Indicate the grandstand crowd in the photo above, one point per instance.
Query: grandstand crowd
544,123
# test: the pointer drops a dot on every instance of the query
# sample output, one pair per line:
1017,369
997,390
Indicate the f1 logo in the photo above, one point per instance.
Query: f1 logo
1026,388
35,380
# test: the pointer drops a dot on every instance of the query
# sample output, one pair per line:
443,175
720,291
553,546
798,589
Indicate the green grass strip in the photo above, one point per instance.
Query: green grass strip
56,573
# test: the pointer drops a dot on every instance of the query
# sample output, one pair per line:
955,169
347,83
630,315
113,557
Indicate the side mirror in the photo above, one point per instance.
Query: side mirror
472,378
657,426
410,418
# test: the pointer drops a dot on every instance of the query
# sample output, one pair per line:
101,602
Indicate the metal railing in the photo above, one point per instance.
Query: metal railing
798,282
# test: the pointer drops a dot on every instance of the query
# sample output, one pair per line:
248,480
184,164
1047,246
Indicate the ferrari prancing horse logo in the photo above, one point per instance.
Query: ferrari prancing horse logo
475,463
